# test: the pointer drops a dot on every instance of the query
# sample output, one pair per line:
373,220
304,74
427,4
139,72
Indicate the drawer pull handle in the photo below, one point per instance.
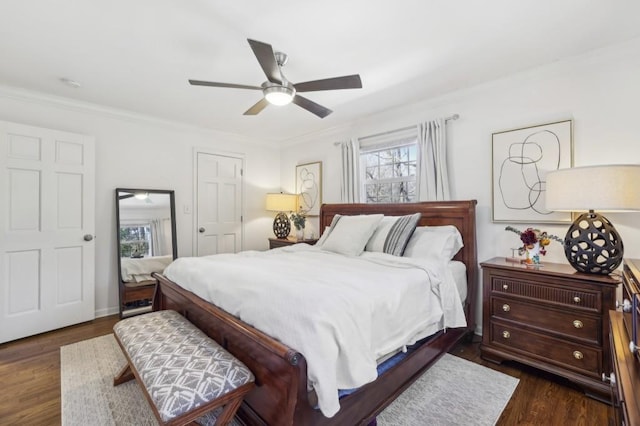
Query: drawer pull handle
506,307
506,334
578,355
577,299
505,286
578,324
611,378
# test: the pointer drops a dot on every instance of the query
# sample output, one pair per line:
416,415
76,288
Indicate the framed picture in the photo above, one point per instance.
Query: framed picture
309,187
521,158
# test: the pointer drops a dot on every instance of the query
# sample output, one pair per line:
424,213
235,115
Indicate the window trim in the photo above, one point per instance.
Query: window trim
383,146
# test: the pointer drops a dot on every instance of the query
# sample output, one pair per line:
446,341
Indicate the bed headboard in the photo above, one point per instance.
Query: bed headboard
461,214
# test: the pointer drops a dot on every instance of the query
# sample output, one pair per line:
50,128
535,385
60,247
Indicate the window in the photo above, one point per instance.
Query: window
388,168
135,240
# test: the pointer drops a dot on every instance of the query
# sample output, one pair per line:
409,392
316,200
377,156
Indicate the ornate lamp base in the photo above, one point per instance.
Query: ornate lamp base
281,225
593,245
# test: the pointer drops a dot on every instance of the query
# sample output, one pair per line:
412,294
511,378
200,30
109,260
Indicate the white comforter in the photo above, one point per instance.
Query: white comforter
140,269
341,313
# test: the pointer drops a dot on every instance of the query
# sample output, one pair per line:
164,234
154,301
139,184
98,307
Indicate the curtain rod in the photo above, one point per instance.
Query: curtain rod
452,117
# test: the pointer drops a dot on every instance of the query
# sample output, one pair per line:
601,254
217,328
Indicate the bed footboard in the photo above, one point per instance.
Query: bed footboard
281,372
280,396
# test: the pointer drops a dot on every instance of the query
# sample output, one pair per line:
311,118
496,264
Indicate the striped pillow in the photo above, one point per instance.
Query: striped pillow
393,234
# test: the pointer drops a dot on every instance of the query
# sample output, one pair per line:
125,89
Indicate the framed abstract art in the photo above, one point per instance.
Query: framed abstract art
521,158
309,187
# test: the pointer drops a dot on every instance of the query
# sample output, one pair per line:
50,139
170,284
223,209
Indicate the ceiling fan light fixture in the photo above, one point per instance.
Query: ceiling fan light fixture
277,90
279,95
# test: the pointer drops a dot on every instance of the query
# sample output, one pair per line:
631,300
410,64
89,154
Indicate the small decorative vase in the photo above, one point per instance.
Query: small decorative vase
300,234
533,255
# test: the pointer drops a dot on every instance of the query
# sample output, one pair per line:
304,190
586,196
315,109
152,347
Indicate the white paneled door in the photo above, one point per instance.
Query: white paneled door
47,207
218,204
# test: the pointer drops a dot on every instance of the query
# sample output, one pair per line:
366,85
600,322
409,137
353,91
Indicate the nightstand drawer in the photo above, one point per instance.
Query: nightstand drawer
574,325
561,296
568,355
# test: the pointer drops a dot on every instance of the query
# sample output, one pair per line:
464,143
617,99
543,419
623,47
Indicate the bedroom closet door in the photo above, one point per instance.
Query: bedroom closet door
218,204
47,223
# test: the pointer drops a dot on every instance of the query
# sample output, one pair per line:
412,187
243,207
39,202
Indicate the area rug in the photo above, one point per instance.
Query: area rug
452,392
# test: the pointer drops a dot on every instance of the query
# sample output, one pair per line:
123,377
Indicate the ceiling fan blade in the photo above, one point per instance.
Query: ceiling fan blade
259,106
346,82
267,59
311,106
214,84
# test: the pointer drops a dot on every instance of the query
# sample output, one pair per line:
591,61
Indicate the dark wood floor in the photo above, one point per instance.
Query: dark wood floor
541,398
30,384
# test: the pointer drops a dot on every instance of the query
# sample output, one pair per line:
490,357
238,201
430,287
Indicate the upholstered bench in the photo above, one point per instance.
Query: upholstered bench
183,373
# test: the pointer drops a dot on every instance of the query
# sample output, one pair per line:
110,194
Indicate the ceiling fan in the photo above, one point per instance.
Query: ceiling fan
278,90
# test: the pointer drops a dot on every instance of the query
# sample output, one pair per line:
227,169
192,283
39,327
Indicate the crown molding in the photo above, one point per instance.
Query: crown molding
48,100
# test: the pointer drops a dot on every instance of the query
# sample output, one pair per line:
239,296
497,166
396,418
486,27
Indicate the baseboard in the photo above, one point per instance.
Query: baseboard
106,312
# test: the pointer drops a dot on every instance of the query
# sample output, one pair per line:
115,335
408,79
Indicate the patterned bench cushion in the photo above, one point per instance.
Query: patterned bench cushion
181,367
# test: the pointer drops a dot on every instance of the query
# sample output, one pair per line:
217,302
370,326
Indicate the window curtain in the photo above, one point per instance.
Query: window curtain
433,173
350,177
157,237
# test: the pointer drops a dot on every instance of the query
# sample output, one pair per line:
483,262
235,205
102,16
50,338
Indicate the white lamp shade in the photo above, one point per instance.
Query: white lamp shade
279,202
610,188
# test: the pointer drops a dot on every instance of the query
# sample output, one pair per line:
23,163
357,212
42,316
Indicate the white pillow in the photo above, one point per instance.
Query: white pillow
393,233
324,236
442,242
349,234
327,230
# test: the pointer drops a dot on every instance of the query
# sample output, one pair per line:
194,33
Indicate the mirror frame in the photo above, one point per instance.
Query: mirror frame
174,240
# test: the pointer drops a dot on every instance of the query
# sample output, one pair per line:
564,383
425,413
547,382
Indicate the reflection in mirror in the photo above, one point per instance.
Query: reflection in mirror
146,232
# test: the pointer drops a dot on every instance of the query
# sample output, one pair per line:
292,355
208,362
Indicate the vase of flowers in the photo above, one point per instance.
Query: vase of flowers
534,243
299,220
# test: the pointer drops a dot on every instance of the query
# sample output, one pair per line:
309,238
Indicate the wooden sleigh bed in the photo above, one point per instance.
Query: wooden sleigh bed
281,396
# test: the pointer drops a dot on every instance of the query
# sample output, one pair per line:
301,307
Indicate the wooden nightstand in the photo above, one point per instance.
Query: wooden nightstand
549,317
278,242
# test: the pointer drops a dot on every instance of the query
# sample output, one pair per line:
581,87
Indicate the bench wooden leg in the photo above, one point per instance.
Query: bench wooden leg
228,412
124,375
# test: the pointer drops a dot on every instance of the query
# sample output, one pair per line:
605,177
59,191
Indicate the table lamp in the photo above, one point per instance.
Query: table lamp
592,244
281,203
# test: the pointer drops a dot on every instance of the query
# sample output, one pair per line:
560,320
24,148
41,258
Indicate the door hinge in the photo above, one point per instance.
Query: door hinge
241,218
241,172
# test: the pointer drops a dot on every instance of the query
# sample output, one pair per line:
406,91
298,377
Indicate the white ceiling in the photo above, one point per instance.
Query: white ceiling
137,55
153,200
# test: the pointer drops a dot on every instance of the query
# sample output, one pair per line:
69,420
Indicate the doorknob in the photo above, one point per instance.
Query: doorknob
88,237
201,230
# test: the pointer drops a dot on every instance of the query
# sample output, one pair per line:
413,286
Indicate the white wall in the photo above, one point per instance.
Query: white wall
139,152
600,91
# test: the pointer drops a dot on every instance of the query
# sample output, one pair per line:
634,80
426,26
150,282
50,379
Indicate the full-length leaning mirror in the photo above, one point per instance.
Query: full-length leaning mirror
146,236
